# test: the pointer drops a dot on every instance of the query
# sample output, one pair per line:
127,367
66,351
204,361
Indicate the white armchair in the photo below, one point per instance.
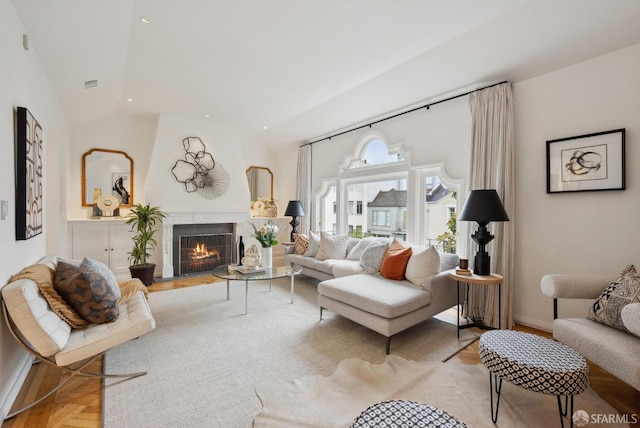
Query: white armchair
614,350
44,334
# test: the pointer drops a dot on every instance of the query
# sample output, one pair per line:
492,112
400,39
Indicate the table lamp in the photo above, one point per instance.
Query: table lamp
483,206
294,209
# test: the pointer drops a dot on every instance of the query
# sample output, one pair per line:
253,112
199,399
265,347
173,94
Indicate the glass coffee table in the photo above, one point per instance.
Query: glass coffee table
223,272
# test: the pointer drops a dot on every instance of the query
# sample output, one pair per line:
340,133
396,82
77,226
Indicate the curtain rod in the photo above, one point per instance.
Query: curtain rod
370,124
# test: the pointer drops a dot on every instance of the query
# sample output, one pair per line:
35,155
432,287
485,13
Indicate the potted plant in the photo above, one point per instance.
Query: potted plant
143,219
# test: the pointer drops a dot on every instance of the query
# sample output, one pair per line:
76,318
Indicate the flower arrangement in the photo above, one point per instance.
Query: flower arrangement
266,235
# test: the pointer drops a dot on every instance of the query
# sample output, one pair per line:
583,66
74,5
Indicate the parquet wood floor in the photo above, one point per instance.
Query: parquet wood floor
79,402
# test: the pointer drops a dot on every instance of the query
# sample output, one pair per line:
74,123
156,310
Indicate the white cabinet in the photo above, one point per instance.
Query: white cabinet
108,241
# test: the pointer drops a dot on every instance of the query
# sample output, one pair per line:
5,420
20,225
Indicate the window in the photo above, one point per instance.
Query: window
440,220
381,218
382,194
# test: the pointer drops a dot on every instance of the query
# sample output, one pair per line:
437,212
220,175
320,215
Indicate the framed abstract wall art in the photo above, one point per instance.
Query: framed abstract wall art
29,196
586,162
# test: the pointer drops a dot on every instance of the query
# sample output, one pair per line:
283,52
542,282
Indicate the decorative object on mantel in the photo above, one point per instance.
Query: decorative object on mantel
143,219
294,210
266,236
29,196
483,206
264,207
199,172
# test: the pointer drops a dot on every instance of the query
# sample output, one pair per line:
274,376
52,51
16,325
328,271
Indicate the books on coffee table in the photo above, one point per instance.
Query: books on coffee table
463,271
244,270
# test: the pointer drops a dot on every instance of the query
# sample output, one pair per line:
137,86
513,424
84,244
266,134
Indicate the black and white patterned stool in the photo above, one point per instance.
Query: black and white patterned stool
405,414
535,363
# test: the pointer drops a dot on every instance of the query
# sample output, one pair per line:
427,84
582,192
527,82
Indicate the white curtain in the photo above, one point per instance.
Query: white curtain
491,167
303,187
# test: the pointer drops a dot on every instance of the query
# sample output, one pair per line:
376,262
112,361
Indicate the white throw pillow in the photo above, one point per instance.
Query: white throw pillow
372,256
423,263
104,271
332,247
363,243
314,245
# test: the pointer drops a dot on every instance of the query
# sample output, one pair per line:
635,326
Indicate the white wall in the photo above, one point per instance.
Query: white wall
585,232
163,190
23,83
133,135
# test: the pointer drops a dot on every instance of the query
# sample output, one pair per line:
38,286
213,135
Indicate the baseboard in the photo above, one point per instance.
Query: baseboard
533,322
14,390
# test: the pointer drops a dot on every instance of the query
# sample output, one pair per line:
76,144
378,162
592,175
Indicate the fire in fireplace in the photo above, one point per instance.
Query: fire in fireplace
202,248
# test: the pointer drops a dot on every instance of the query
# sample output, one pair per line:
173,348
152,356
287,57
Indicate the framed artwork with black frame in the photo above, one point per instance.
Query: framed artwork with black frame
29,196
586,162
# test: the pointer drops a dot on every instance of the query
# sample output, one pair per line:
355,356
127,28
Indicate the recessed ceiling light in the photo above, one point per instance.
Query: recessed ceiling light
129,99
206,115
145,19
265,127
90,84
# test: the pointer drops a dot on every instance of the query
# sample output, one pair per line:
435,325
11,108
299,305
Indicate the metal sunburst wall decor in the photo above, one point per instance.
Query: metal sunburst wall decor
199,172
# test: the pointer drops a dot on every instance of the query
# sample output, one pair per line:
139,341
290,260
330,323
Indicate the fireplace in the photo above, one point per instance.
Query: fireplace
202,247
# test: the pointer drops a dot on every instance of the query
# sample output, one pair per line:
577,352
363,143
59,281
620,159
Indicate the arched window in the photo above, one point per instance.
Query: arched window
379,193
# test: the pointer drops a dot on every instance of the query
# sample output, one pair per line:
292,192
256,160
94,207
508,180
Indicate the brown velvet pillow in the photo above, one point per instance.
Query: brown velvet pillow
88,293
394,263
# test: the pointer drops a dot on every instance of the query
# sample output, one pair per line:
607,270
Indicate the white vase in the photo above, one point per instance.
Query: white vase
267,254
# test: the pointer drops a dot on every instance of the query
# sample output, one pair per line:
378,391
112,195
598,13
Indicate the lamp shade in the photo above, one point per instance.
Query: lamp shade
483,206
294,209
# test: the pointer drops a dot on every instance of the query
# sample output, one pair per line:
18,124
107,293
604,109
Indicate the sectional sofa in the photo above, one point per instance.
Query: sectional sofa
380,283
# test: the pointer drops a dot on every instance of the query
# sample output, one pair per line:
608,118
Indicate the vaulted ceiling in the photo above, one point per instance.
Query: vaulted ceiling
304,68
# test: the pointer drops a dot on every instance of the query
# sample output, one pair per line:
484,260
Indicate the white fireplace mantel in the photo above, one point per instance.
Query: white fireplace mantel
242,226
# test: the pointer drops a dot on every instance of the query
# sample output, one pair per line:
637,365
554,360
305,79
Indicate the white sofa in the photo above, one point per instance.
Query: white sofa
383,305
614,350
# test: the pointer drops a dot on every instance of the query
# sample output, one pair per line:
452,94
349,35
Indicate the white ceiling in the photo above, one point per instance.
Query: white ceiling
305,68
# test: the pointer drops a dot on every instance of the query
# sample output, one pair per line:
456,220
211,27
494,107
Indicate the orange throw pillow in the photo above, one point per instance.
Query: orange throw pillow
395,261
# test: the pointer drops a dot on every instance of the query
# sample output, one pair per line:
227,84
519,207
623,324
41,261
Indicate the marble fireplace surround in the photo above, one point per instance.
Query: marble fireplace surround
239,219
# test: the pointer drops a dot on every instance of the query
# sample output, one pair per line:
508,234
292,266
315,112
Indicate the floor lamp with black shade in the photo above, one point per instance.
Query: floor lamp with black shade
294,210
483,206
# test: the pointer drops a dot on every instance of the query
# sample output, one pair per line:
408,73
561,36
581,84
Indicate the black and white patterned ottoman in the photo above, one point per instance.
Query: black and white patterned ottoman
405,414
535,363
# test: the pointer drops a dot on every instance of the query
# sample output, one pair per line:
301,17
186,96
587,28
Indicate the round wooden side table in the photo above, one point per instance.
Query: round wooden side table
488,280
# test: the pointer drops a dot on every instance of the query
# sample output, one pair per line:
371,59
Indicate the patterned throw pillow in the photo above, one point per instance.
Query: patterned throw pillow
623,290
394,262
314,245
372,256
104,271
356,251
332,247
88,293
301,243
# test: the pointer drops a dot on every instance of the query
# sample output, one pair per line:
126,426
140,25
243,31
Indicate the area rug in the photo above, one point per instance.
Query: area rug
206,357
460,390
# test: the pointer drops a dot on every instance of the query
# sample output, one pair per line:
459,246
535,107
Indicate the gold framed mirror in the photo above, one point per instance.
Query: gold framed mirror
260,180
107,172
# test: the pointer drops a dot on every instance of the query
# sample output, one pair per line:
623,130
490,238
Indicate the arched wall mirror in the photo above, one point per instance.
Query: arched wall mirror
111,171
260,181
